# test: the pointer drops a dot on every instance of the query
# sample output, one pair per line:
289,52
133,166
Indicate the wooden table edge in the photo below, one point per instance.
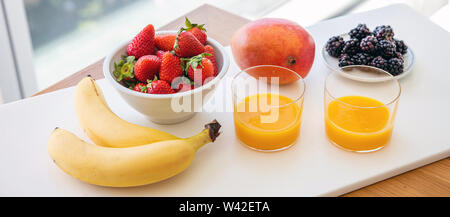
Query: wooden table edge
429,180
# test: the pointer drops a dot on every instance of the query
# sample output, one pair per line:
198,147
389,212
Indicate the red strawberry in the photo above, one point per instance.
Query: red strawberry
170,67
186,45
199,69
165,42
147,67
197,30
182,84
199,34
212,58
160,54
143,43
141,87
160,87
183,87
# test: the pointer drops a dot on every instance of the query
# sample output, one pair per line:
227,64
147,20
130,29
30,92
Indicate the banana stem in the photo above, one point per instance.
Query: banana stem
213,129
209,134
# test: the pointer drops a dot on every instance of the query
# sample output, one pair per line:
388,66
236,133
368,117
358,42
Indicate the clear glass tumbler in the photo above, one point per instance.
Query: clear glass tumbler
359,115
267,114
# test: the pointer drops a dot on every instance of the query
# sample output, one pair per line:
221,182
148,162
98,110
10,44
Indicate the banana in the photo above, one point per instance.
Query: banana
126,167
103,126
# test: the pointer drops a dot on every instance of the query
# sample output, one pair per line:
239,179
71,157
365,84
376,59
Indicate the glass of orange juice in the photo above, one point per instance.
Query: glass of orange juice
360,113
267,102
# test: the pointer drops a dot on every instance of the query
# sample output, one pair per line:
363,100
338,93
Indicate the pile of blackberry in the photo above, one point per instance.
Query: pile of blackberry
376,48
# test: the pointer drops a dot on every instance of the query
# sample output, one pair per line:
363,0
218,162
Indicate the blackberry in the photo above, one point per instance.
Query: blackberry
384,32
361,59
345,60
369,44
351,46
395,66
387,48
399,56
334,46
360,32
401,46
380,63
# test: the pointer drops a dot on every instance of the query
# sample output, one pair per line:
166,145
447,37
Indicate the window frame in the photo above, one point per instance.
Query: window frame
18,80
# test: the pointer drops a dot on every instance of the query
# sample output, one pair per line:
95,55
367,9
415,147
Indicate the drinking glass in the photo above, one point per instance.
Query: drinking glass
267,103
359,115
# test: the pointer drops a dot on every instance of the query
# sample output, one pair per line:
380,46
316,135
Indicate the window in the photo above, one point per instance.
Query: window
44,41
68,35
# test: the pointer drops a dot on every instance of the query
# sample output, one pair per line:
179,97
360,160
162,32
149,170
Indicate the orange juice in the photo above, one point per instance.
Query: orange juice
358,123
267,121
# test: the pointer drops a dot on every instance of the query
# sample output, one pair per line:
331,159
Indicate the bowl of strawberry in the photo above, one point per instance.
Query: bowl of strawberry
167,75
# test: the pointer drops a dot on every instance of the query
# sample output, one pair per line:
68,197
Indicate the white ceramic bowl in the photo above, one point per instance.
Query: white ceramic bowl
158,107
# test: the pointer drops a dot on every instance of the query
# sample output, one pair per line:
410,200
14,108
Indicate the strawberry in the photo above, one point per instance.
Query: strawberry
199,34
199,68
141,87
160,54
124,69
143,43
147,67
197,30
187,45
165,42
182,84
183,87
212,58
170,67
160,87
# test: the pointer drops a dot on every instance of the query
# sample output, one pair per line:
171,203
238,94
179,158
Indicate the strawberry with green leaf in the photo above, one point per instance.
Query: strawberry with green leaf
124,69
187,45
141,87
199,68
198,30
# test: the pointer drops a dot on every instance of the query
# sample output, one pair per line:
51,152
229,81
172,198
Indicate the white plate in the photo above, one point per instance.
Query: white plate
332,63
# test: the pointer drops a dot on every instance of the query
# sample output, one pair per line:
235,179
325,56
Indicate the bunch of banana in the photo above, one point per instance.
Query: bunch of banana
120,159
